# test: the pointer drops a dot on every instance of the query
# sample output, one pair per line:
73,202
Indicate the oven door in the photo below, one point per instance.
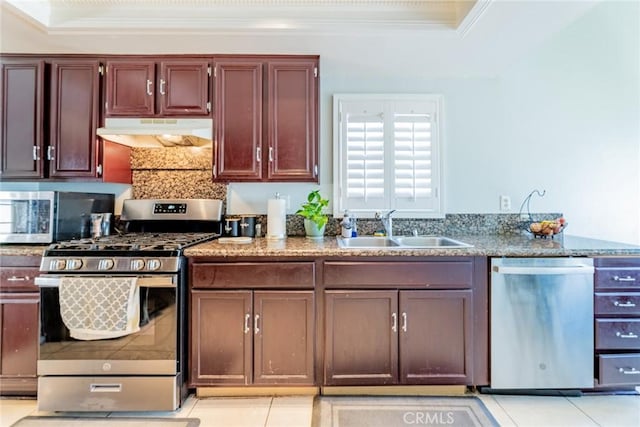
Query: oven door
153,350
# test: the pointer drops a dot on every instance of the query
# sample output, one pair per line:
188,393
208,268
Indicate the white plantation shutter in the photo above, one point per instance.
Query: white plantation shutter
388,154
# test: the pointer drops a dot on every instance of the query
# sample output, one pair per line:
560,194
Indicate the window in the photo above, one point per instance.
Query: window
387,154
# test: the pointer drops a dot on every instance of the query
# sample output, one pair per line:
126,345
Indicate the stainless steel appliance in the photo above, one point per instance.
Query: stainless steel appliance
49,216
542,323
158,132
144,370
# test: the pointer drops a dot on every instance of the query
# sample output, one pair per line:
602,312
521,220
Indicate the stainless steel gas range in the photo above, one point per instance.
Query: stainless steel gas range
113,317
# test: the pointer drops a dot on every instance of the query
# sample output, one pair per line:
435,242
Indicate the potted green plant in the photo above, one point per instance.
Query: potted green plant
314,219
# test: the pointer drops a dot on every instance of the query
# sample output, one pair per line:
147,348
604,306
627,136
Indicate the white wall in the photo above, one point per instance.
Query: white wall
569,96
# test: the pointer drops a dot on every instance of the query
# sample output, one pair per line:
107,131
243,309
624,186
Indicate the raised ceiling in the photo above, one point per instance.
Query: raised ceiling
235,16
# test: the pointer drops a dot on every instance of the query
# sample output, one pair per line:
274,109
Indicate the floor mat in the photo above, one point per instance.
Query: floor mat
351,411
54,421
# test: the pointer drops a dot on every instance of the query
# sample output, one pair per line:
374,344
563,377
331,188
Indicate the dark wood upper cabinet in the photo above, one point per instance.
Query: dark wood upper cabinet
146,88
21,118
238,120
75,95
266,116
130,88
292,120
184,88
50,113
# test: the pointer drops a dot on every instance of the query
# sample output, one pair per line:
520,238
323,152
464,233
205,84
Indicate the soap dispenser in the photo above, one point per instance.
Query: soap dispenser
347,225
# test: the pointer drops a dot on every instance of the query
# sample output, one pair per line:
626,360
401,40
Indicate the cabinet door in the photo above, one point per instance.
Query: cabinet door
75,91
183,88
21,119
361,341
238,120
435,337
18,342
220,338
292,120
130,88
283,337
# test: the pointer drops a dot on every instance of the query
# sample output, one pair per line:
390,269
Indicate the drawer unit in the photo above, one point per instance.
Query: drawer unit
426,275
617,304
612,334
617,273
617,320
619,369
242,275
18,279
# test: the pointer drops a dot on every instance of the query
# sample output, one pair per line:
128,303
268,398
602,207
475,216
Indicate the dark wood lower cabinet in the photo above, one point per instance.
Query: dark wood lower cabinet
252,337
361,344
398,337
435,340
19,320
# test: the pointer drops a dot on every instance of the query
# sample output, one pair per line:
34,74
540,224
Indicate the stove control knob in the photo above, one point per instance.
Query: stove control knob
105,264
57,264
137,264
74,264
153,264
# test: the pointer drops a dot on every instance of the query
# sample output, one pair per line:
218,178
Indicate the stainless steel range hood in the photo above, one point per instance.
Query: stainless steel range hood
151,132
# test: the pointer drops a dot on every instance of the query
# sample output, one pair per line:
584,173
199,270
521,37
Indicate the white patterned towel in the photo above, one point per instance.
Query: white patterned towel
95,308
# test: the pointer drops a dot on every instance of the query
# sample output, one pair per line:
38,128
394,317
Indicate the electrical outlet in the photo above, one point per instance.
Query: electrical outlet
505,203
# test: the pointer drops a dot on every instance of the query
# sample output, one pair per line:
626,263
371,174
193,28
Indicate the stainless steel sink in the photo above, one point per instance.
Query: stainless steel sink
429,242
366,242
401,242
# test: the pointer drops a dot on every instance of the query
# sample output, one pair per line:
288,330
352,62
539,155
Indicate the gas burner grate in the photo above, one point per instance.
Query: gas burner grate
134,242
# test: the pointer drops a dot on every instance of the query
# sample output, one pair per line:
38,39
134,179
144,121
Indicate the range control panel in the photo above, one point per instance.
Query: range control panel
170,208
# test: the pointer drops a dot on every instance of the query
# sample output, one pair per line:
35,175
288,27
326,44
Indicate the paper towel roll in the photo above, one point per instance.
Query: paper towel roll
276,219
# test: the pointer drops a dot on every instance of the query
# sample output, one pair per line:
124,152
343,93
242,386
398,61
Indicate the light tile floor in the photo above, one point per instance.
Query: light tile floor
296,411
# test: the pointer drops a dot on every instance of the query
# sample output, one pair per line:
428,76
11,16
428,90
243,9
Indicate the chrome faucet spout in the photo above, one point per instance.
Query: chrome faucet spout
386,222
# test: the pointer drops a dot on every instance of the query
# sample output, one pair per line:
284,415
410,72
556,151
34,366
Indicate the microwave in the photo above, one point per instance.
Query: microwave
49,216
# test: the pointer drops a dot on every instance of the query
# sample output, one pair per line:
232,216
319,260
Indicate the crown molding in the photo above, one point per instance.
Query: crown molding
246,16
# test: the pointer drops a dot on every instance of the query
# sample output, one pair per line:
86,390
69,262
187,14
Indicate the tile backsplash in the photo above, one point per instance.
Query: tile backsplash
185,172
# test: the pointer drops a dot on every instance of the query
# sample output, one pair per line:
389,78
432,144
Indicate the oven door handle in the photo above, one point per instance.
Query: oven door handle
143,282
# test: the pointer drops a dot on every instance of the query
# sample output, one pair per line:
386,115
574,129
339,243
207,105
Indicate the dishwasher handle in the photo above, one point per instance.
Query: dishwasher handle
564,270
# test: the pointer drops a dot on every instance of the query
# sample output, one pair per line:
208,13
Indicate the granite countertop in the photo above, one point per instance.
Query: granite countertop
483,245
22,250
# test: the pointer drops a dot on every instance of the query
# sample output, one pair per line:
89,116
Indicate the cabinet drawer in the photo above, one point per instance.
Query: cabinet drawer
617,278
614,334
617,303
253,275
619,369
17,279
436,274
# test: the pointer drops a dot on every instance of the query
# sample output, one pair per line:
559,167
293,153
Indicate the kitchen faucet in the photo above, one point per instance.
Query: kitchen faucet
386,222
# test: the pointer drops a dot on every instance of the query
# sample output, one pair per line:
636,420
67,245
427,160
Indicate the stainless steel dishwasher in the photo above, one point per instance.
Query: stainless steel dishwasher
542,323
